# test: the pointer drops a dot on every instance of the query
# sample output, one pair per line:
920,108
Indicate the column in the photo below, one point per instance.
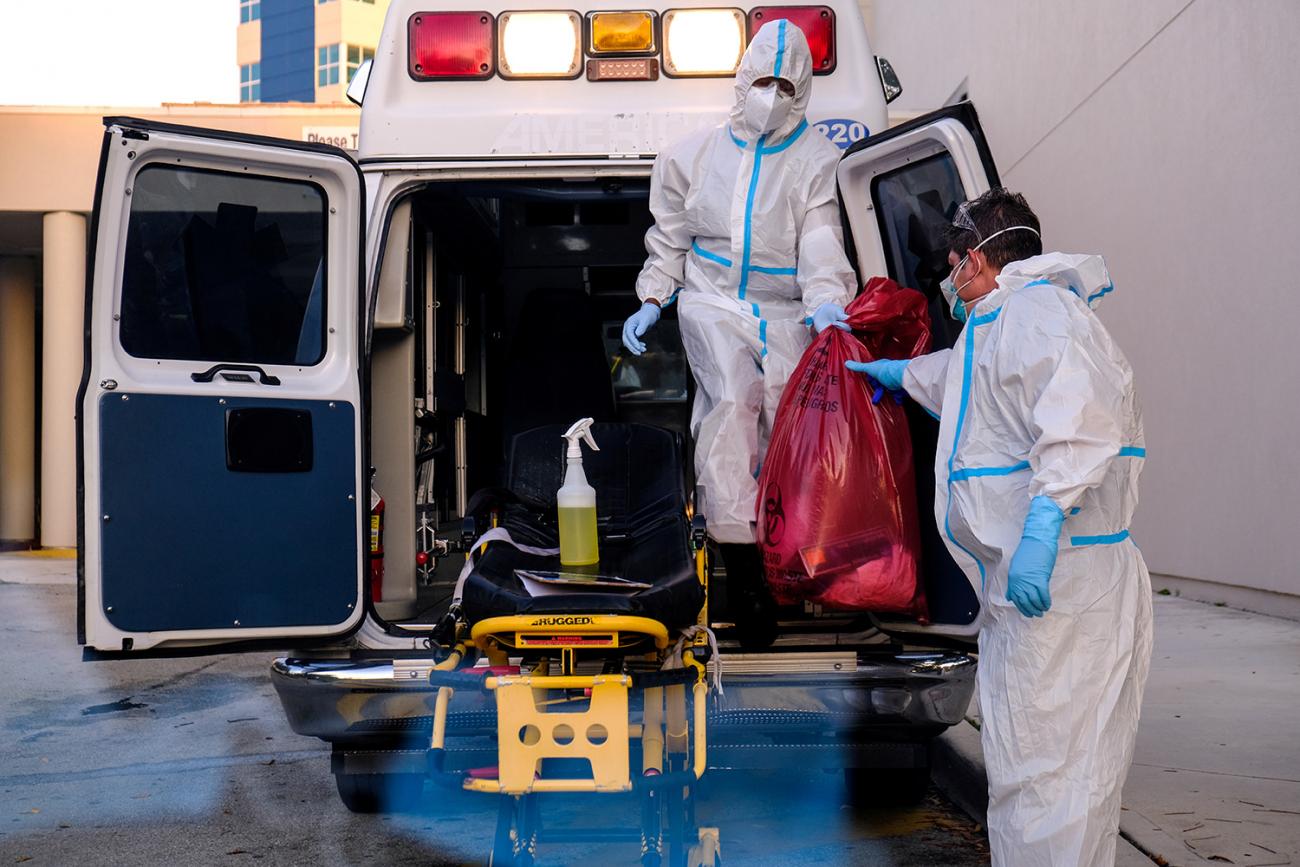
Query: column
17,399
63,299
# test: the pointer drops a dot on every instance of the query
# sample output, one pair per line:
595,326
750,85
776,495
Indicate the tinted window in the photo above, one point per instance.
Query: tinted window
224,267
914,204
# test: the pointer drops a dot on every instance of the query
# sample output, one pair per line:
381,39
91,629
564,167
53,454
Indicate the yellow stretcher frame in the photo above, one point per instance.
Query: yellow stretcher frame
531,727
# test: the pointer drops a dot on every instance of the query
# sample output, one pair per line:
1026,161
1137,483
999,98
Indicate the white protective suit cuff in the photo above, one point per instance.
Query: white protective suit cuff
924,379
656,293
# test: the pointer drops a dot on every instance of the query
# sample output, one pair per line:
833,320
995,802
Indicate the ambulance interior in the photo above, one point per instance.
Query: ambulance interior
499,308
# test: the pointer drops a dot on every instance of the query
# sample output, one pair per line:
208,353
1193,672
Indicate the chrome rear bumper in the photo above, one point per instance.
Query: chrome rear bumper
771,696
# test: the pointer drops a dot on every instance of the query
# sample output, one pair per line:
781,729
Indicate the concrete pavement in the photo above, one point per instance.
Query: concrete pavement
190,761
1216,771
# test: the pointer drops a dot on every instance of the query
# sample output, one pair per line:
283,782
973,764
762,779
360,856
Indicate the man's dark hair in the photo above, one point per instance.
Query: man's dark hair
995,210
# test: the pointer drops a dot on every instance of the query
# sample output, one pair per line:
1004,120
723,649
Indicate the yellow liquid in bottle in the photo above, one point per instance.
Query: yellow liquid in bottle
578,536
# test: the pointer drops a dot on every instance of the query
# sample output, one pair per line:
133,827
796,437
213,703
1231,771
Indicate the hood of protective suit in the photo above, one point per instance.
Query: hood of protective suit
1083,274
778,49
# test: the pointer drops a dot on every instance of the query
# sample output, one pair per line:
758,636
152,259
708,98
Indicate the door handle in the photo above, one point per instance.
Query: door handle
211,373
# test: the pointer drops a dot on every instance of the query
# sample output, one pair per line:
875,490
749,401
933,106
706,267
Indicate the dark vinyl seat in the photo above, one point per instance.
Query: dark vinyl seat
557,370
641,521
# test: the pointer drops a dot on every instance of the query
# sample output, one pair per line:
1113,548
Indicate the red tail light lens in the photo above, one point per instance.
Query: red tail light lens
451,45
817,24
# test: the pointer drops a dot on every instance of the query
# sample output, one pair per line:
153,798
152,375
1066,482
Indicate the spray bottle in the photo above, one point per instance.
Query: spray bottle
576,502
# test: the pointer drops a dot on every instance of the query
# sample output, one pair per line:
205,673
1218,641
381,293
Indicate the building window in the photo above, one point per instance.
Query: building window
357,56
250,82
249,10
327,65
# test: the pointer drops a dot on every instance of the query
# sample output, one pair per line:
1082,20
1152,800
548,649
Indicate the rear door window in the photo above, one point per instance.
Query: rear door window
224,267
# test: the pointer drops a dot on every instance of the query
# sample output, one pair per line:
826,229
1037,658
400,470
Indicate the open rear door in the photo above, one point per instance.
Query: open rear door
222,494
900,189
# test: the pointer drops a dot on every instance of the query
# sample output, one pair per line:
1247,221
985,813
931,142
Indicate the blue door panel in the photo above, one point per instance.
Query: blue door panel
188,543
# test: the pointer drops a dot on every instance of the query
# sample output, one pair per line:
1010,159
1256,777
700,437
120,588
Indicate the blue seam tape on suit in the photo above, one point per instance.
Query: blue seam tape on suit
1133,452
976,472
1105,289
749,217
967,368
1109,539
798,131
780,48
712,257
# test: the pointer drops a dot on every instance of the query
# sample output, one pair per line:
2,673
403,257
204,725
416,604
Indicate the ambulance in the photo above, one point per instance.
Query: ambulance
316,378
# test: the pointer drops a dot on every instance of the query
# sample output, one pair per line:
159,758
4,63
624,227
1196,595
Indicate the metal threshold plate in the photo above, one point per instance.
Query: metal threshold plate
831,662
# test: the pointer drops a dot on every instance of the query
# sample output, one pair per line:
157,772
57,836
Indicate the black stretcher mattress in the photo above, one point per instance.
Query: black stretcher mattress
641,521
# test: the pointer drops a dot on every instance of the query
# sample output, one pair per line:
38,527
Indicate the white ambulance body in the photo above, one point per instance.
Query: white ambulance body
267,320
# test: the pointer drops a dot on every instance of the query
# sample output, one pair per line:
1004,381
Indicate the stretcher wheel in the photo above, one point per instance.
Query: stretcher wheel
380,793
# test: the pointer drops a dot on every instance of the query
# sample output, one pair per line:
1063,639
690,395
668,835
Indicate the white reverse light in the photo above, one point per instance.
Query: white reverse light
540,44
703,41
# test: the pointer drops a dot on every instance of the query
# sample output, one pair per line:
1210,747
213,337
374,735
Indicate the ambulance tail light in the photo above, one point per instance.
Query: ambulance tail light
703,42
817,24
540,44
451,45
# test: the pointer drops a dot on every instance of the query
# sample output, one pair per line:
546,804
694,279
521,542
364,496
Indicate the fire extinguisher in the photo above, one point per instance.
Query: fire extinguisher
376,543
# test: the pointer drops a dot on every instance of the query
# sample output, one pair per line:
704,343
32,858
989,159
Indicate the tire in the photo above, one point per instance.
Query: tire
380,793
886,787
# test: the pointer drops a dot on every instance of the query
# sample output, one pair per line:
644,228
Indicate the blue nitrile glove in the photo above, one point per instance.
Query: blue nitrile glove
1032,564
829,314
887,373
638,324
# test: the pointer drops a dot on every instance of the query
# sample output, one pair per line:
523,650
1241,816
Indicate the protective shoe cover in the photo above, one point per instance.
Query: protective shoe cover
1036,400
747,225
838,519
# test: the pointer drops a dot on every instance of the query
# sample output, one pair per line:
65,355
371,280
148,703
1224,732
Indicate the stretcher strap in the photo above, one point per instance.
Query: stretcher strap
654,679
675,658
496,534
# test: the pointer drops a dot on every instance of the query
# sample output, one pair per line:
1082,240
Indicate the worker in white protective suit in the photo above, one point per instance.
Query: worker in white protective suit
1040,449
747,227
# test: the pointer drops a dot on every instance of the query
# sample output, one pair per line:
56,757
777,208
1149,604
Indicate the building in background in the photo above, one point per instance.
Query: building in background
304,50
49,157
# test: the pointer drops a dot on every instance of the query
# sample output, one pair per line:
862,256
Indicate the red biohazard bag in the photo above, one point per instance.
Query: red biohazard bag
837,521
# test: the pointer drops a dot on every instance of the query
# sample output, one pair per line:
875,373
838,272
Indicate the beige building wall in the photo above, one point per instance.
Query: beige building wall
1163,135
17,398
347,23
49,159
248,43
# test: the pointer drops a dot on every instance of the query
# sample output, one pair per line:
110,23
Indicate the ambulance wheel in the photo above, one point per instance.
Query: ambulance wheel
886,787
380,793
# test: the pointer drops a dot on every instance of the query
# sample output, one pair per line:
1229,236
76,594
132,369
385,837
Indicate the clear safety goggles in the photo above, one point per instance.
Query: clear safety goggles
962,220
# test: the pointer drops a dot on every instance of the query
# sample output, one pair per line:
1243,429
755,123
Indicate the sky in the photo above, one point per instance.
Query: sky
118,52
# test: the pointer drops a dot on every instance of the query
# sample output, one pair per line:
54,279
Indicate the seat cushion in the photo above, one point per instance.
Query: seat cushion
660,558
641,521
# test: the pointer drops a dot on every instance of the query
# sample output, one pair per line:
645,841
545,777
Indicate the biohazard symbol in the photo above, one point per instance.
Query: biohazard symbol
773,515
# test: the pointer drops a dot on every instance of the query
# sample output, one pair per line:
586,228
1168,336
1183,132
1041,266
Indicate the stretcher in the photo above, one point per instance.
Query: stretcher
592,692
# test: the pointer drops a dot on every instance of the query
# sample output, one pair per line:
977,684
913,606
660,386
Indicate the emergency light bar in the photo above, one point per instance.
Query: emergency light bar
703,42
621,33
624,45
540,44
445,45
817,24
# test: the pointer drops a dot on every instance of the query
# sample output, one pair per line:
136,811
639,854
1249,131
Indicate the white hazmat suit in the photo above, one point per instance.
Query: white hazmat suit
1036,399
747,225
